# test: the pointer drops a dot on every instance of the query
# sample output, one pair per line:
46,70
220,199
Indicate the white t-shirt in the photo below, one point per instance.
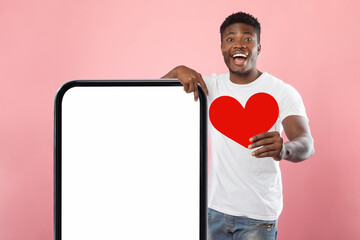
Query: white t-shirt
238,183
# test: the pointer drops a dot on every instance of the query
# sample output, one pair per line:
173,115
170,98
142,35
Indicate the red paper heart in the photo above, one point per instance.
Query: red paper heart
229,117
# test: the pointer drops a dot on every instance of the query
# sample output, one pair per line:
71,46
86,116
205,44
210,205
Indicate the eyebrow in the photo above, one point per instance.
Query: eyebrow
229,33
248,33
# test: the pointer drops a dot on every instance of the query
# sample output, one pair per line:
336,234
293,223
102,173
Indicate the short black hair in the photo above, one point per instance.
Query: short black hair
241,17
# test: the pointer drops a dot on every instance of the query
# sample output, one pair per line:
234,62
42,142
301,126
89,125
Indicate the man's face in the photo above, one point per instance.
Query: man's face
240,48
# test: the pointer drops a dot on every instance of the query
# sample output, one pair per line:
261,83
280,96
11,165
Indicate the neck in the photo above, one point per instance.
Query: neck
244,78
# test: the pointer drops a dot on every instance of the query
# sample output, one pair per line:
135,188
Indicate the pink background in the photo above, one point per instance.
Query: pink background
313,45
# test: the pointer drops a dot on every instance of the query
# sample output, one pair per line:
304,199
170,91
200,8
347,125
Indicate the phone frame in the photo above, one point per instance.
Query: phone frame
127,83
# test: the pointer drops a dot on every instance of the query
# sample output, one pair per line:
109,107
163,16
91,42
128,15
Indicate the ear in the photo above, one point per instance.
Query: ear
221,46
259,49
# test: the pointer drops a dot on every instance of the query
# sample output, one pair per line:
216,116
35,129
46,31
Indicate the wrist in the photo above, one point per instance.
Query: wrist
285,153
177,70
173,73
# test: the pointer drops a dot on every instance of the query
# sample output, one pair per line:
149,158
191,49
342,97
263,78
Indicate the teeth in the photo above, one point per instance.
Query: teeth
239,55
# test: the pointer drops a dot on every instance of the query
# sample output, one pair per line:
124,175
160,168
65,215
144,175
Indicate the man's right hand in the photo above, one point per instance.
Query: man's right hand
189,78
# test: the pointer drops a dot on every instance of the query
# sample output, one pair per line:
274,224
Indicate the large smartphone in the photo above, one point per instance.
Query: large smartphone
130,161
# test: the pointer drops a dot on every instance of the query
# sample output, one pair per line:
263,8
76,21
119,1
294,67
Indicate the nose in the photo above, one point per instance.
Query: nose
239,45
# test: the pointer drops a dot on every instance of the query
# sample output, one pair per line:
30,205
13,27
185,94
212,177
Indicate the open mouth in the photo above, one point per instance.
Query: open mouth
239,58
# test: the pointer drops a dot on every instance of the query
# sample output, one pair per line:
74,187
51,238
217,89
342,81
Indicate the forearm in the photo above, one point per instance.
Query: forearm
172,73
189,78
298,149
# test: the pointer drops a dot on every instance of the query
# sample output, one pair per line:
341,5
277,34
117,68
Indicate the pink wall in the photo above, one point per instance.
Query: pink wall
313,45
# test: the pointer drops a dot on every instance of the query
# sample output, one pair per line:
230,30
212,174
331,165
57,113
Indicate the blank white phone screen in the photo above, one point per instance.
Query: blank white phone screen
130,163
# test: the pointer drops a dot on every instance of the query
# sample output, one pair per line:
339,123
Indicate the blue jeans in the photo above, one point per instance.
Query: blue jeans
226,227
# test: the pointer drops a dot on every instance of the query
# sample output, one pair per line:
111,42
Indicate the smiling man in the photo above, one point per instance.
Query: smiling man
245,190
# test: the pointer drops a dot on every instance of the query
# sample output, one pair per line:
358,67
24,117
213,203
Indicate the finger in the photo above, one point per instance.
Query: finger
268,154
196,91
264,149
186,87
203,85
262,136
261,142
191,86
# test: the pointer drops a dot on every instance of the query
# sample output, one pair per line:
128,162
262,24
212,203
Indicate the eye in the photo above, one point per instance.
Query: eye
230,40
248,39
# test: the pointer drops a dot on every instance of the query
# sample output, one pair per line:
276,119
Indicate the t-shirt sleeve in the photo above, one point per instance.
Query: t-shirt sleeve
209,82
291,103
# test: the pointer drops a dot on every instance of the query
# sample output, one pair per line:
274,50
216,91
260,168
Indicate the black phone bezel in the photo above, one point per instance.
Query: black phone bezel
127,83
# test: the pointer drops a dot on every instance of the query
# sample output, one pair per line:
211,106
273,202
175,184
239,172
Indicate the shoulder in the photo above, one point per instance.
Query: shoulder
214,78
282,88
210,78
289,99
275,82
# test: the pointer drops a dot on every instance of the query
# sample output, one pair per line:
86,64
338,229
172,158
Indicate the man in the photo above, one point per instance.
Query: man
245,189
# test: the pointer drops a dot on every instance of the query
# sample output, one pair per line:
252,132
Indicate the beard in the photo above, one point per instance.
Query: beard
241,74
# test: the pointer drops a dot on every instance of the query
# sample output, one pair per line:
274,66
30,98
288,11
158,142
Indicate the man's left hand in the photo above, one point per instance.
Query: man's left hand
272,145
